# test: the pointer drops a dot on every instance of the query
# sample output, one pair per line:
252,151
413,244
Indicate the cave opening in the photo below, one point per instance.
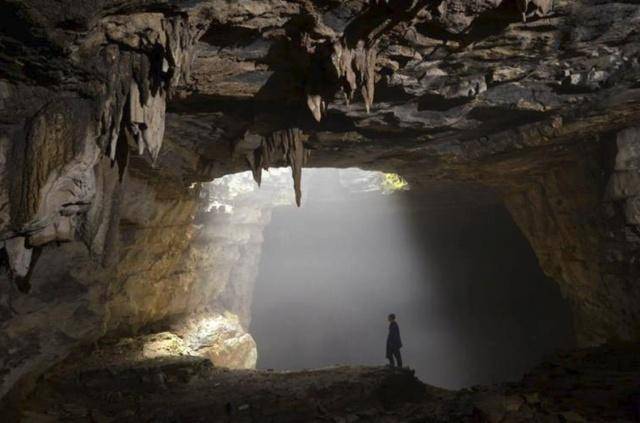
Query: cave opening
472,303
146,278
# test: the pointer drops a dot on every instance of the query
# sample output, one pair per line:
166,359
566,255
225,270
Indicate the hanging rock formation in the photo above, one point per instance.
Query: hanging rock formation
353,54
354,68
544,113
286,146
59,191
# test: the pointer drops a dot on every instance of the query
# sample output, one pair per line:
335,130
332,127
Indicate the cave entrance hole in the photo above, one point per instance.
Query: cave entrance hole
472,302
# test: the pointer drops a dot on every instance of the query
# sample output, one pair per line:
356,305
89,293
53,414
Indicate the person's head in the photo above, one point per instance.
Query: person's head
392,317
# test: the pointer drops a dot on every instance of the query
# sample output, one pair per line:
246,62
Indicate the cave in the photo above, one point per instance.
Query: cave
451,268
209,208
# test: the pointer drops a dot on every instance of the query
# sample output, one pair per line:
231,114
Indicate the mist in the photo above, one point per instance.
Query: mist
472,303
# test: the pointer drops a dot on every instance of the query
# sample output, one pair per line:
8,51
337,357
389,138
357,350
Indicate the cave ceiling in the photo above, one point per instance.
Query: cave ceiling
424,87
455,83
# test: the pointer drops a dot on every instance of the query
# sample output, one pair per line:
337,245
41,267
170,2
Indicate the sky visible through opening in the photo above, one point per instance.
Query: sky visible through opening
472,303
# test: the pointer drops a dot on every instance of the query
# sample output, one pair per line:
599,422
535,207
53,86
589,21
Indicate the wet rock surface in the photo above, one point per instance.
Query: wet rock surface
598,384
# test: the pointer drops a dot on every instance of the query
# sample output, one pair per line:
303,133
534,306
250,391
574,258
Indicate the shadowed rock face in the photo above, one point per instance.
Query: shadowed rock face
112,110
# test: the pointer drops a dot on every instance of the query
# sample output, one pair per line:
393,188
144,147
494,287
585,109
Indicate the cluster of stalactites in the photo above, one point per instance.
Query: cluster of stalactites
281,146
355,68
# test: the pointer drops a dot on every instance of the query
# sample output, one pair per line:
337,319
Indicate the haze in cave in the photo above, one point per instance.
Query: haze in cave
472,302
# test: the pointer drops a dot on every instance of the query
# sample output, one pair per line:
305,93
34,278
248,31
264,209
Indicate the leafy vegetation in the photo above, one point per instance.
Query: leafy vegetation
392,182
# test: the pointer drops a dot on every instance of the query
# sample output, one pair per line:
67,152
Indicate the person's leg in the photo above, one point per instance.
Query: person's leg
398,357
390,358
390,355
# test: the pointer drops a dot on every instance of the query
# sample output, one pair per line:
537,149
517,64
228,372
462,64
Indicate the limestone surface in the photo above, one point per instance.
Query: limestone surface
115,113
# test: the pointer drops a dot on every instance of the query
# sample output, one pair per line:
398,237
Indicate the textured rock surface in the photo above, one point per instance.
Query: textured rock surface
598,384
221,339
218,338
468,92
181,259
111,110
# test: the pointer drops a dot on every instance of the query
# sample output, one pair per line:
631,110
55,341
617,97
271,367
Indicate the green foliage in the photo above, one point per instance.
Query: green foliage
392,182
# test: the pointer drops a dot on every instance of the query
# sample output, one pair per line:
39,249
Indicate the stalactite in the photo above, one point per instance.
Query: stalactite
354,53
364,59
19,256
146,120
317,106
285,146
21,259
355,68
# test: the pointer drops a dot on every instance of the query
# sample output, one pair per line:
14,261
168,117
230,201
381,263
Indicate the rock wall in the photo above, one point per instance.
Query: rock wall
582,223
220,338
121,238
180,262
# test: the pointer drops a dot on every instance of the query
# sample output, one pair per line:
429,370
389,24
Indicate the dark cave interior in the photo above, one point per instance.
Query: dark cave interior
473,304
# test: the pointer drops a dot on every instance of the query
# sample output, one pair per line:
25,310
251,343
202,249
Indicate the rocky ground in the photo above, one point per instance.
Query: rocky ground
110,384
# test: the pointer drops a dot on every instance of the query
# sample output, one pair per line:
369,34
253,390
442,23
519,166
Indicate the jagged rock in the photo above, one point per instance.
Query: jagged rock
282,146
493,408
355,67
147,121
628,154
544,113
192,390
220,338
164,345
19,256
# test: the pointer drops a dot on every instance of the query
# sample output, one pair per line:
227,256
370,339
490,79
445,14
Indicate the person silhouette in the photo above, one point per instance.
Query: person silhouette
394,343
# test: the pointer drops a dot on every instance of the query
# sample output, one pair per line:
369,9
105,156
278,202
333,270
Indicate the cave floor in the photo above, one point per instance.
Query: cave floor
597,384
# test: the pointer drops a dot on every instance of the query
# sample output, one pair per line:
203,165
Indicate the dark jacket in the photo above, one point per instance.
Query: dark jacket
393,339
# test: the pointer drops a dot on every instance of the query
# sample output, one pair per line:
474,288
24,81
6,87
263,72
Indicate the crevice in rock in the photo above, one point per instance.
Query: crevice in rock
221,35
